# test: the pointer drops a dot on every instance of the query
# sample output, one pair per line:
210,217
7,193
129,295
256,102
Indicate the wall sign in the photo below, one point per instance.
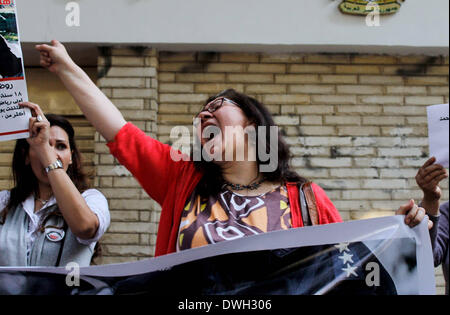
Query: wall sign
364,7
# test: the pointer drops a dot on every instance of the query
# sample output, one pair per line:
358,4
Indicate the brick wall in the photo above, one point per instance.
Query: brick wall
129,78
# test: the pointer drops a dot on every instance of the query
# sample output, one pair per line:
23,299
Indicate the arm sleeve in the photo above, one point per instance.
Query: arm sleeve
439,237
99,205
326,209
434,230
147,159
4,198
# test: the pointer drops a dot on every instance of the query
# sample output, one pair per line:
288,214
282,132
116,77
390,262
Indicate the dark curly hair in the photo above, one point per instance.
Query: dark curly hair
258,114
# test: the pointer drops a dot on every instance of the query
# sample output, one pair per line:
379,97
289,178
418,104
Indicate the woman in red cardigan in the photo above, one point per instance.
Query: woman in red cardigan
208,202
218,197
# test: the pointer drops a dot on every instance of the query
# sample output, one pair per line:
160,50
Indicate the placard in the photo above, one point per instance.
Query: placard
13,88
438,130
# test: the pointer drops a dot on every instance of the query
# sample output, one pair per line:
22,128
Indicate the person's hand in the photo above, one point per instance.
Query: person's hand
39,128
428,178
54,57
413,214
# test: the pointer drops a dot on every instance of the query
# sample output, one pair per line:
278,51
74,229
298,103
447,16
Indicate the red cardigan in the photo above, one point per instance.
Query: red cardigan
171,183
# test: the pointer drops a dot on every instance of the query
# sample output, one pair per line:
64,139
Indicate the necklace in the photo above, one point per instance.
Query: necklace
238,187
44,202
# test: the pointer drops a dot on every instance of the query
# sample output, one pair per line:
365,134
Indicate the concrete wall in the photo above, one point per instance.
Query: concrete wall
254,25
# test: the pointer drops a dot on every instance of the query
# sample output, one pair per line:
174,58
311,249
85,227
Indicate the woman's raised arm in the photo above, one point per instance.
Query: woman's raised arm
97,108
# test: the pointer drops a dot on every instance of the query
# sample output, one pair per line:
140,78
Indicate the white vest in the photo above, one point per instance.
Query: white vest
54,246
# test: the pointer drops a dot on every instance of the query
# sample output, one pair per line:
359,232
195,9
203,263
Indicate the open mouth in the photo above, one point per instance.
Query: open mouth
210,132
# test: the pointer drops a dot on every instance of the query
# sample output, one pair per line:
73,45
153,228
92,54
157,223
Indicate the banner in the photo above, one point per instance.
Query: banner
379,256
13,87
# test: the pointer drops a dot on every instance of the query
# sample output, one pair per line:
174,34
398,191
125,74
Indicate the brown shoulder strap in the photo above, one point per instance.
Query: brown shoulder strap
311,202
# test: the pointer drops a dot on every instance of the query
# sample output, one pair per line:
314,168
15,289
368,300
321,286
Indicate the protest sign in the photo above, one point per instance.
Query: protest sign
379,256
438,130
13,87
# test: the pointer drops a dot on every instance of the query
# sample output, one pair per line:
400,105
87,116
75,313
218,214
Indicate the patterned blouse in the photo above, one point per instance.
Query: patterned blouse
230,216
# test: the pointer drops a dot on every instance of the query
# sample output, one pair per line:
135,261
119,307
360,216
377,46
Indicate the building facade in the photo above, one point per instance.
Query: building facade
350,98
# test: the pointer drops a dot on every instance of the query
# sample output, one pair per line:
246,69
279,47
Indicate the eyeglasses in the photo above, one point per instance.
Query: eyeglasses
216,104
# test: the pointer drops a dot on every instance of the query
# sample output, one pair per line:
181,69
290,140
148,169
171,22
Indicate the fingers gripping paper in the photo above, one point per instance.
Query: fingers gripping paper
438,132
13,88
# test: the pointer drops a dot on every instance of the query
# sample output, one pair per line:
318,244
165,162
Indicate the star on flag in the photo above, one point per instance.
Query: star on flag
346,257
350,270
342,247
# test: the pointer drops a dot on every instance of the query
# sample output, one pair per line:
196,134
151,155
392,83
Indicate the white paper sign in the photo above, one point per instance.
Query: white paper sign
438,132
13,87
